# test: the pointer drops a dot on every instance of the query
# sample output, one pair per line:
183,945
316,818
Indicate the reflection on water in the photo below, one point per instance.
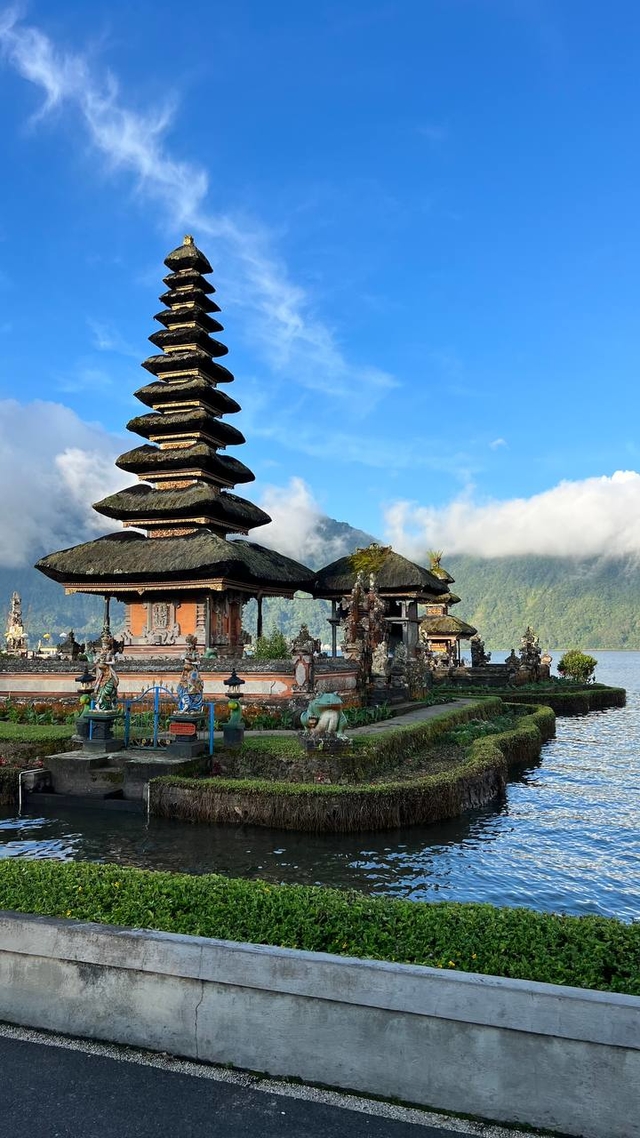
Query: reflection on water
565,838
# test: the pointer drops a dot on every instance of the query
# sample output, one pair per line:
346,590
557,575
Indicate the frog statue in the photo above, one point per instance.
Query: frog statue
324,716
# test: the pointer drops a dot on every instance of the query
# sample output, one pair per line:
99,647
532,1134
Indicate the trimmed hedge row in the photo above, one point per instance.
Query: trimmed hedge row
588,952
343,808
564,701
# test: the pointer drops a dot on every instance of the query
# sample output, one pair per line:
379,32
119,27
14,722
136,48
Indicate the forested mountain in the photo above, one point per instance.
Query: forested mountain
591,603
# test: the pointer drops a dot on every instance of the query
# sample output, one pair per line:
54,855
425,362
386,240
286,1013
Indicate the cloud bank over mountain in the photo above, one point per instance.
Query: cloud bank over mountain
588,518
52,467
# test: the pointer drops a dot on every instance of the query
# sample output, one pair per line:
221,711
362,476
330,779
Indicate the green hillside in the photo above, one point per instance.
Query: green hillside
592,603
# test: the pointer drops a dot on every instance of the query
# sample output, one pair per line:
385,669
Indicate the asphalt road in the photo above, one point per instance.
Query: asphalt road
57,1091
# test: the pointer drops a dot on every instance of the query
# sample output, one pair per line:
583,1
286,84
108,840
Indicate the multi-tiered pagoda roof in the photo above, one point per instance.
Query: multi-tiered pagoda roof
181,511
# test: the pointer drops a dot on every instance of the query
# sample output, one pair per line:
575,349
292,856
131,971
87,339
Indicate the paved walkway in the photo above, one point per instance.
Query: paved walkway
405,713
53,1087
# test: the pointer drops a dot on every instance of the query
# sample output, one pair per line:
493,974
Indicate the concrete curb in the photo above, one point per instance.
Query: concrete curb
506,1050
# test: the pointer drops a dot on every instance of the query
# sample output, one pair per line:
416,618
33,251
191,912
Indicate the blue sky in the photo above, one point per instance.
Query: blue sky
424,223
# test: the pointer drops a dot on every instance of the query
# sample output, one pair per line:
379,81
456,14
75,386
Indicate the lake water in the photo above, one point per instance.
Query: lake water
566,838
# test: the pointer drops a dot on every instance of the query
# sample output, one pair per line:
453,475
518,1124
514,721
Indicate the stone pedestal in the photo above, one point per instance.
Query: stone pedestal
183,729
233,736
102,740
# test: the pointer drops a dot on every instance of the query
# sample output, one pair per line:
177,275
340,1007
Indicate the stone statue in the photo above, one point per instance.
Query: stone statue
190,689
105,689
303,650
479,657
324,716
380,666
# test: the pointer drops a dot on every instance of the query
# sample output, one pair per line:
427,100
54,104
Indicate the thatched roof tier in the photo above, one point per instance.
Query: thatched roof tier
193,421
448,599
188,314
188,279
187,391
447,626
188,336
190,295
189,360
397,576
437,569
125,563
223,511
201,459
187,256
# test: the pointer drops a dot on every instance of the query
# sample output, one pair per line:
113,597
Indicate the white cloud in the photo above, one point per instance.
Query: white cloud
52,466
297,528
295,342
495,444
589,518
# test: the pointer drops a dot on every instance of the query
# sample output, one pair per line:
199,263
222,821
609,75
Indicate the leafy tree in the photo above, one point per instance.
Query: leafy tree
272,647
576,665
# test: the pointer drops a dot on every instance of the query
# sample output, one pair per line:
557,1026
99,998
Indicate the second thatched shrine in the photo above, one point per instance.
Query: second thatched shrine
173,564
400,584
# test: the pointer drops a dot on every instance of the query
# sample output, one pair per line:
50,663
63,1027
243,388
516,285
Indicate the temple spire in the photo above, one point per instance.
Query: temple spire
184,472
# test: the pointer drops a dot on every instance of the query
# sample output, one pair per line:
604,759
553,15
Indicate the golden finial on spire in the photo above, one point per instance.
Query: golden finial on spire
188,239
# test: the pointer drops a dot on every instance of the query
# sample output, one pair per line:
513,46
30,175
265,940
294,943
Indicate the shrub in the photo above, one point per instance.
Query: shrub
272,647
587,952
577,665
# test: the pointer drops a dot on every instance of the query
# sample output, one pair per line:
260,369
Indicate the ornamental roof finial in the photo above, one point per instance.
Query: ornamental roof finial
188,239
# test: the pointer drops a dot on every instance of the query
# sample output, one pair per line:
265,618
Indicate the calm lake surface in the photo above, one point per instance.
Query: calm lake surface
566,838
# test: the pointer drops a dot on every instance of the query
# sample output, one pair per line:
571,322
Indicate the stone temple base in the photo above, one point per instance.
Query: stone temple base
109,774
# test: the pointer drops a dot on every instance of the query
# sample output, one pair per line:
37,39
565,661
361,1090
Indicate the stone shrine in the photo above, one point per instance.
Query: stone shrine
15,635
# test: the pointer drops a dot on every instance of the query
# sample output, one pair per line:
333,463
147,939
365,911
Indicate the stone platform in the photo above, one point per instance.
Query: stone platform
117,774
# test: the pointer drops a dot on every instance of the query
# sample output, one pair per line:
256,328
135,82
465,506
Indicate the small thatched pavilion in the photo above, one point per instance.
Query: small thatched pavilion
441,632
401,584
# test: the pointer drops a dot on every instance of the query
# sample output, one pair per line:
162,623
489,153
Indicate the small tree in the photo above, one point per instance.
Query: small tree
576,665
275,646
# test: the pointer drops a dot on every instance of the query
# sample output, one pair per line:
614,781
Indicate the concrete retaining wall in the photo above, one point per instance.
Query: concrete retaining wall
506,1050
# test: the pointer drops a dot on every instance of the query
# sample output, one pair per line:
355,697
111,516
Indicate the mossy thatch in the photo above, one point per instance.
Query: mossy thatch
395,574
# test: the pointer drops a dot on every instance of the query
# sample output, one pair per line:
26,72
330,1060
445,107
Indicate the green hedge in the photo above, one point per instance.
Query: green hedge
564,700
343,808
586,952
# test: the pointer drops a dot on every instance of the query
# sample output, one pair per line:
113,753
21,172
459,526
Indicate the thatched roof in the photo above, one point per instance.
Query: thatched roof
130,557
193,294
447,626
150,460
179,390
196,501
187,314
192,359
188,256
396,576
168,338
186,422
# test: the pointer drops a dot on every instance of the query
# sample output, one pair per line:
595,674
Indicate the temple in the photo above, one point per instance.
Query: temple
173,565
440,632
